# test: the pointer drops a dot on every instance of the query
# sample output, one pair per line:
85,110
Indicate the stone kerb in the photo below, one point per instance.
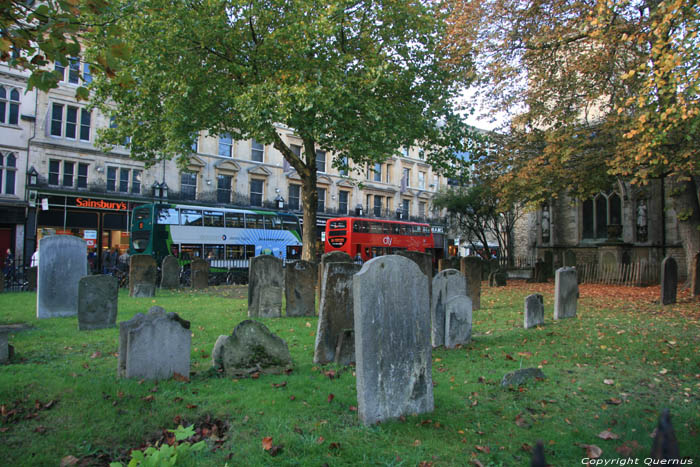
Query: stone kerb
170,273
154,346
335,312
534,311
458,321
565,293
97,302
669,280
142,276
331,257
199,273
446,284
300,288
63,263
470,267
392,340
265,287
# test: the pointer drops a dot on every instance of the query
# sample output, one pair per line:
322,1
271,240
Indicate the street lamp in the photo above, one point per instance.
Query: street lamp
280,202
160,190
358,210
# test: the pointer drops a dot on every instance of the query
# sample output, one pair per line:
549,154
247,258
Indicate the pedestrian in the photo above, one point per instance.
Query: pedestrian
124,261
35,259
8,264
358,258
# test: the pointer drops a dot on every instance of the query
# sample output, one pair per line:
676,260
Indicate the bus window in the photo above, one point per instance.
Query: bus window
250,251
273,223
253,221
290,223
386,228
234,220
375,228
338,225
190,251
213,219
396,229
167,216
190,217
235,252
214,251
142,214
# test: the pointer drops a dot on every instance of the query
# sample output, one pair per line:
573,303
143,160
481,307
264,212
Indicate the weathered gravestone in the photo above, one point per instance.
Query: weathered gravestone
392,340
470,267
669,280
97,302
170,273
265,287
32,273
458,321
142,276
540,274
154,346
446,284
251,349
565,293
335,312
4,346
695,277
332,257
424,262
345,350
63,263
199,270
534,310
300,288
500,279
519,377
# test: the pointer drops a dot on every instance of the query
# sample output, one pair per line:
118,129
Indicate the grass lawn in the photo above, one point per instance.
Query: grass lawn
612,369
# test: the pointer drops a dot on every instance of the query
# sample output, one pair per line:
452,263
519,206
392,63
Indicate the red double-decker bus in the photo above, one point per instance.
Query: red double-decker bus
371,238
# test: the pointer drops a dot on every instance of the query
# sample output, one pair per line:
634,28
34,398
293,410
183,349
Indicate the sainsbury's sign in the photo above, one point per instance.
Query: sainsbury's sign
101,204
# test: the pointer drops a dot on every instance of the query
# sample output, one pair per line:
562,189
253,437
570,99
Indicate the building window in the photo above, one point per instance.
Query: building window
136,181
256,192
111,179
113,124
377,206
82,175
321,199
406,178
599,213
223,188
421,209
123,180
73,71
343,202
188,185
421,180
63,173
320,160
343,171
9,106
377,172
226,145
294,192
68,173
129,180
67,113
54,171
195,142
8,169
256,151
406,207
404,151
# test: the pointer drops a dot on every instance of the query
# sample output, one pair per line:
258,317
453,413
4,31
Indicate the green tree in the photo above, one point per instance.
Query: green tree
358,79
603,91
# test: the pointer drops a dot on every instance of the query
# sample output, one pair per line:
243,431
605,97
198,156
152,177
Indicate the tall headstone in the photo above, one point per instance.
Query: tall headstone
331,257
424,262
446,284
458,321
669,280
695,277
142,276
300,288
265,287
199,269
470,268
392,340
335,312
97,302
170,273
32,277
63,263
565,293
534,311
154,346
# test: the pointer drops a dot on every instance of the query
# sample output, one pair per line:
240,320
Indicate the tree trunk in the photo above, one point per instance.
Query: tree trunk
309,199
687,206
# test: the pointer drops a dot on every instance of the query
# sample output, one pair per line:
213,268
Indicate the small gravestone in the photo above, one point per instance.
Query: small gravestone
695,276
300,288
97,302
669,280
534,310
32,277
458,321
335,312
170,273
251,349
199,269
565,293
345,350
446,284
519,377
500,279
424,262
154,346
63,263
142,276
471,267
540,274
326,258
392,340
265,287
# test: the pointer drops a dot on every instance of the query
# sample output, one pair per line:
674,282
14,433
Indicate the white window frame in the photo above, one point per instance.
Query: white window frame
9,104
81,115
8,172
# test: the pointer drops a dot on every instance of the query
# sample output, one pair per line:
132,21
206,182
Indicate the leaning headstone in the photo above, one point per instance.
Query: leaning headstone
424,262
142,276
458,321
446,284
695,277
669,280
300,288
470,267
251,349
199,269
519,377
97,302
534,310
170,273
392,340
335,312
565,293
265,287
326,258
154,346
63,263
32,277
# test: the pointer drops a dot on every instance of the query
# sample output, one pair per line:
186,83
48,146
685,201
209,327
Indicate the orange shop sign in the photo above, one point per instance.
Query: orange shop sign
101,204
